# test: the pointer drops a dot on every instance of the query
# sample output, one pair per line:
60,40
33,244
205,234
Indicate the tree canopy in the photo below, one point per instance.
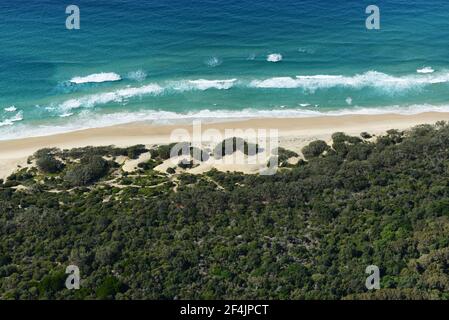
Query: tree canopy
307,232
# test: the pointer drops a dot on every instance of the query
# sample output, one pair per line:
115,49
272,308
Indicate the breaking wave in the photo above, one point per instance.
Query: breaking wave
10,109
388,84
122,95
113,96
10,121
372,79
425,70
97,78
274,57
203,84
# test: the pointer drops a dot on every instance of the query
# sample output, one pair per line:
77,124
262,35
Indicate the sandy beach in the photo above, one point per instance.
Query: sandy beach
294,133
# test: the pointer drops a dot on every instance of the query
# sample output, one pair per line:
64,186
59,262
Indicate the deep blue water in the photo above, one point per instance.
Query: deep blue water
180,60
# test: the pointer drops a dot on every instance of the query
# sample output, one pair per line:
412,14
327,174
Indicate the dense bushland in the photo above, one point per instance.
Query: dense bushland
307,232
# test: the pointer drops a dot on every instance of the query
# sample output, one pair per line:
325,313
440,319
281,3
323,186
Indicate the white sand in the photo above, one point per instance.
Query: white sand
294,133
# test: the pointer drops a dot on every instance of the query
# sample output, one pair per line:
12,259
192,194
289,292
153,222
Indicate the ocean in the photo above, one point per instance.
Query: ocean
168,61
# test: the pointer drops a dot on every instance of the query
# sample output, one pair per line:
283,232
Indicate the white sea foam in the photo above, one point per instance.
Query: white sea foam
213,62
276,82
88,119
113,96
138,75
10,121
202,84
372,79
274,57
11,109
97,78
65,115
425,70
122,95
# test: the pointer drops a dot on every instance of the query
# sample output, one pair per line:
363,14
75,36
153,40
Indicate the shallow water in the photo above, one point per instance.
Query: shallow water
168,61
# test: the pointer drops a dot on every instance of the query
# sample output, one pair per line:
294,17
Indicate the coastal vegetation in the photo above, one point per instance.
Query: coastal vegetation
307,232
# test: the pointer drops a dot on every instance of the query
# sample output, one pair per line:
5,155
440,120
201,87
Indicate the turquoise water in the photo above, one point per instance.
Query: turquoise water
178,60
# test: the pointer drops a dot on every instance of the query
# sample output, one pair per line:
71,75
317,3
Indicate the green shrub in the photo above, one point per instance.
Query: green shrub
51,284
109,288
284,155
341,143
366,135
171,170
135,151
359,151
184,164
315,149
149,165
90,169
231,145
48,164
162,152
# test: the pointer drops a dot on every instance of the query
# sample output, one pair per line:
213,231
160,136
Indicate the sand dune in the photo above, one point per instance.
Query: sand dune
294,133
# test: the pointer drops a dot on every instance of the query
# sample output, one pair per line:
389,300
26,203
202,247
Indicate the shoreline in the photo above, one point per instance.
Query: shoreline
294,133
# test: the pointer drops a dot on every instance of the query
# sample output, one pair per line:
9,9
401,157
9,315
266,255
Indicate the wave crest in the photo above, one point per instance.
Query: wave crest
426,70
10,109
97,78
113,96
274,57
10,121
202,84
372,79
150,89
